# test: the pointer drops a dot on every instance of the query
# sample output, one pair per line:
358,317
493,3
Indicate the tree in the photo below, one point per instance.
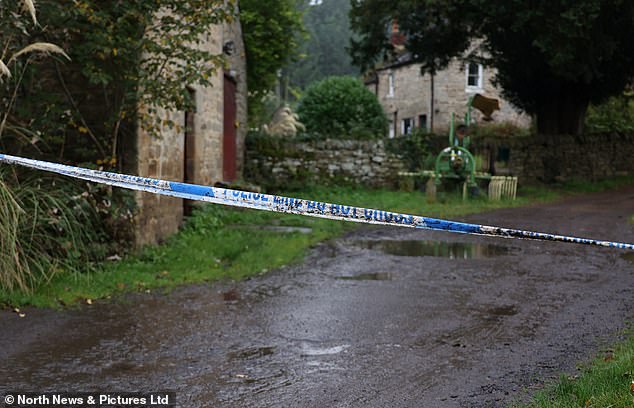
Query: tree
125,55
270,30
324,52
342,106
553,58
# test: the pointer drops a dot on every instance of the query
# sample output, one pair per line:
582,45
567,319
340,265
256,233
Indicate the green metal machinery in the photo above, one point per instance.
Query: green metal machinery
455,165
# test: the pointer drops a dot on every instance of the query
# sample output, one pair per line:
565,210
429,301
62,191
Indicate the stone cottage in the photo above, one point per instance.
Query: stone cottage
414,100
205,146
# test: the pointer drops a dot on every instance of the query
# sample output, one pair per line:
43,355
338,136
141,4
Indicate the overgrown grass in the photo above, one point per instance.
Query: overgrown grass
43,230
222,242
607,382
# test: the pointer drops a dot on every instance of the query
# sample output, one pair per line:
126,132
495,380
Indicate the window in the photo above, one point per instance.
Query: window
390,85
474,77
407,125
391,133
422,122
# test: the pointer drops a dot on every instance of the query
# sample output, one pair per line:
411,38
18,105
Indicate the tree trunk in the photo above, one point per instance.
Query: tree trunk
562,113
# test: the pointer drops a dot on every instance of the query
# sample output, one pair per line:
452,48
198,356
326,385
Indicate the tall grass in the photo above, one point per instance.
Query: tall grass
14,272
45,227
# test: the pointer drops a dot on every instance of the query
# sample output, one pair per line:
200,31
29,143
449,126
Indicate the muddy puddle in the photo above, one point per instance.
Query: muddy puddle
353,328
377,276
441,249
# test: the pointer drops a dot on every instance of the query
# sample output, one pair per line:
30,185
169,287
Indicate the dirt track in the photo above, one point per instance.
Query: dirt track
382,317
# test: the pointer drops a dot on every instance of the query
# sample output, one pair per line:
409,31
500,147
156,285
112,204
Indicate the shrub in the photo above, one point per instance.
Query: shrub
614,115
49,225
413,149
342,106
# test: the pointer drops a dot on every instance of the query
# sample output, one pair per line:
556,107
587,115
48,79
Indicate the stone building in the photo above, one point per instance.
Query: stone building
205,146
414,100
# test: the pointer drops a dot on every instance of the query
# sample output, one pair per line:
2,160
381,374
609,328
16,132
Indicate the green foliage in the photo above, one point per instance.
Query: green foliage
130,60
16,60
606,383
614,115
342,107
324,53
49,225
271,31
552,58
414,149
495,133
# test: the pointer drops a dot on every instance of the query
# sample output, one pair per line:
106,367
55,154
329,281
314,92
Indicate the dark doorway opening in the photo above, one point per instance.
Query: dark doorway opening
190,149
230,131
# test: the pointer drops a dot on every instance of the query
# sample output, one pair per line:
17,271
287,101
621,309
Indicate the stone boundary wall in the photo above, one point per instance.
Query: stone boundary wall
282,164
563,158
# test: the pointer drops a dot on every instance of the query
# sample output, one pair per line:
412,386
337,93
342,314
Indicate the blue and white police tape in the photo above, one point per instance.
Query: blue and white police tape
275,203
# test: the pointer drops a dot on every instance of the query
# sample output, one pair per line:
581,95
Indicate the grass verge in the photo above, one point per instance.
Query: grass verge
222,242
608,382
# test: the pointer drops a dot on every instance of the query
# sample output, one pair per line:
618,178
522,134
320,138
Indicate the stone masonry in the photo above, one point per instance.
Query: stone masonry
325,162
333,162
410,96
164,157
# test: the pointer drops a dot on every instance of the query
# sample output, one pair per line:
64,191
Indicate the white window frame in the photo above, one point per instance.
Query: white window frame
391,131
474,88
390,85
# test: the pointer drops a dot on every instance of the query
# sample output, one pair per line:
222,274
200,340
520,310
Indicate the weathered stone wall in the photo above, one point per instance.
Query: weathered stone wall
563,158
549,159
164,157
412,96
284,164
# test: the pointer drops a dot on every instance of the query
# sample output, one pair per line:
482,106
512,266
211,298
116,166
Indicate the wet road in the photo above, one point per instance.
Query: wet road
381,317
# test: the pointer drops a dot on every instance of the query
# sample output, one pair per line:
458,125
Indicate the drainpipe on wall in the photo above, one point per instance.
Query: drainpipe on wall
431,104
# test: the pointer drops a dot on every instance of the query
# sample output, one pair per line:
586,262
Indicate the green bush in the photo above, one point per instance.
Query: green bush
614,115
414,149
496,132
342,107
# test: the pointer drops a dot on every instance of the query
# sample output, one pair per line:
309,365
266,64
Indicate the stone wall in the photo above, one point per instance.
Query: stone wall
283,164
564,158
164,157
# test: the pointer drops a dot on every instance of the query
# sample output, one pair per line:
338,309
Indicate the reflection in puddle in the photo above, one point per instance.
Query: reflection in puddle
451,250
308,351
383,276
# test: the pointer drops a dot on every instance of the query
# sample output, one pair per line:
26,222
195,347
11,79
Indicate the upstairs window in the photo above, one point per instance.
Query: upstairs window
390,85
474,77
